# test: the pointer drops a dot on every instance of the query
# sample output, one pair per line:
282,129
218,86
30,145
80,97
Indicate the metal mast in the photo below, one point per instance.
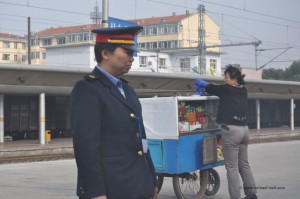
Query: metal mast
201,40
95,16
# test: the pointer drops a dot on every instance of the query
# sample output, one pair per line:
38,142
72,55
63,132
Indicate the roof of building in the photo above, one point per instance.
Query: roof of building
157,20
88,27
8,35
64,30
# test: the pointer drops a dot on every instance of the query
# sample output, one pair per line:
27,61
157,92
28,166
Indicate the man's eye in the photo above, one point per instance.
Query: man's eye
129,52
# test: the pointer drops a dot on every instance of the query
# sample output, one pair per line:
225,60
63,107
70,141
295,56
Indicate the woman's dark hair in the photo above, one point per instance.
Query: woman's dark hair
235,73
103,46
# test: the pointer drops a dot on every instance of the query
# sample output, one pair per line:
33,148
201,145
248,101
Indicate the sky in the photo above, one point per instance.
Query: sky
276,23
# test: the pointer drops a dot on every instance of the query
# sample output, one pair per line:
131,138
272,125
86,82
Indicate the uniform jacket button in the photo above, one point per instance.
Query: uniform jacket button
140,153
131,115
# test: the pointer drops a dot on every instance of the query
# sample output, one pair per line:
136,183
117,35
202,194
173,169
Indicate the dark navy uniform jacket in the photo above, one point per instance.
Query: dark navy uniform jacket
107,145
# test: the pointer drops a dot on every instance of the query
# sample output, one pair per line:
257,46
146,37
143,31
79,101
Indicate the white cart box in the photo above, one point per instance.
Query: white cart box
160,115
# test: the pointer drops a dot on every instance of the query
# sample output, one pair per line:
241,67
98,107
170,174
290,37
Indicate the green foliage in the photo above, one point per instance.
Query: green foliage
292,73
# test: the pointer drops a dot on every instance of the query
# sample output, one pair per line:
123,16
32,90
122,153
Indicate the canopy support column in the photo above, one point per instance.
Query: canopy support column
42,119
258,114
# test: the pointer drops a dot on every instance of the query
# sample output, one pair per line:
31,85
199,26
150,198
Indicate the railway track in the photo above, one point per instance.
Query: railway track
33,158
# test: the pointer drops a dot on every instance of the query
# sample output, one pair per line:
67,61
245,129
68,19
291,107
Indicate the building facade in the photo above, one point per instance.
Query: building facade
169,44
12,48
179,34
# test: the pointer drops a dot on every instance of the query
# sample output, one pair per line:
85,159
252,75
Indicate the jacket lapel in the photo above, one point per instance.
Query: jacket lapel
113,89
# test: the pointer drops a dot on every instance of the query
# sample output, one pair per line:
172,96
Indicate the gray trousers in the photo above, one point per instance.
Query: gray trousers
235,150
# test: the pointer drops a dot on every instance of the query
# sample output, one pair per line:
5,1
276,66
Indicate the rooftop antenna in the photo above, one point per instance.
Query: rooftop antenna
95,16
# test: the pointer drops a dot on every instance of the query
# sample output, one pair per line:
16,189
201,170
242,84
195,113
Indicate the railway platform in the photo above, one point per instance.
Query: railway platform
62,148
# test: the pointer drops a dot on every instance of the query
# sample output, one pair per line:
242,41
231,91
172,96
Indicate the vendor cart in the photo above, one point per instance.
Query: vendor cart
184,142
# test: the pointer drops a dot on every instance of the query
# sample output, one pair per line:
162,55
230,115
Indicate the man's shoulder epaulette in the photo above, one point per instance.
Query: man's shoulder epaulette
91,77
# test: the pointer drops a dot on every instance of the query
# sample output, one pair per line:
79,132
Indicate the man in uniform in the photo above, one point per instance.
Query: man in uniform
110,148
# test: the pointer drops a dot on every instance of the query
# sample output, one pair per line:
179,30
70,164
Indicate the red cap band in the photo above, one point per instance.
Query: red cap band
103,38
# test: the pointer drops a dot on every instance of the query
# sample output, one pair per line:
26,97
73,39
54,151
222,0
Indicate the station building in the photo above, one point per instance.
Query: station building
34,98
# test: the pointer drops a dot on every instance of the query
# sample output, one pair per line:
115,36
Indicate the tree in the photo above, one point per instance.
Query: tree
292,73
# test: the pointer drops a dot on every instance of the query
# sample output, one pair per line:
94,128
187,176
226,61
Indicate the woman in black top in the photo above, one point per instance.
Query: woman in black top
234,129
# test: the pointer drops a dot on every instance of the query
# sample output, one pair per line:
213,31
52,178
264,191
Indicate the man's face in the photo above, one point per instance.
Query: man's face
120,61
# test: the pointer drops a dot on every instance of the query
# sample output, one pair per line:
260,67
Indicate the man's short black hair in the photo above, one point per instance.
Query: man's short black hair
103,46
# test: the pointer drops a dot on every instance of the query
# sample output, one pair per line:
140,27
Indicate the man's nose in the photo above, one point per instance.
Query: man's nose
131,58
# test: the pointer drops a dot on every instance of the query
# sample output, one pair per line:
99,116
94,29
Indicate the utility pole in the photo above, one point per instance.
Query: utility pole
28,41
105,8
201,40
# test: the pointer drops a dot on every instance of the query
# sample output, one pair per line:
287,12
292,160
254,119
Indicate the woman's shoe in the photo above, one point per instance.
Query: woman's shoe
252,196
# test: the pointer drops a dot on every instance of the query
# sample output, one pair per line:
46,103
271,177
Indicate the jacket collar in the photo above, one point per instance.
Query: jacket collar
113,89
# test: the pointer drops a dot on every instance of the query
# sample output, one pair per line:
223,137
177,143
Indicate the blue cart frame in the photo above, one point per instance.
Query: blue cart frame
186,157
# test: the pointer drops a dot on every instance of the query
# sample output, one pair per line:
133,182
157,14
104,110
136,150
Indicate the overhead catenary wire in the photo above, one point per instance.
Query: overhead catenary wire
43,8
43,19
253,12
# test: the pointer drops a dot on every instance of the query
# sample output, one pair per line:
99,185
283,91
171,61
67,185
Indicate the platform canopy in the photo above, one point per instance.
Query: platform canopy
53,80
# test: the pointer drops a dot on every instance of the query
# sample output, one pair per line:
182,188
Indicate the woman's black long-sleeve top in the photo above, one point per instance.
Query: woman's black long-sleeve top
232,105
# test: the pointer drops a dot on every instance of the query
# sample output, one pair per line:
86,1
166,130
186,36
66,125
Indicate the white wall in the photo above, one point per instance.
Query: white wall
152,59
71,56
82,56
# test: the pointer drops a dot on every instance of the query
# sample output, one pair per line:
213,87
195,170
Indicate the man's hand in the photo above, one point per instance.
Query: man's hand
155,193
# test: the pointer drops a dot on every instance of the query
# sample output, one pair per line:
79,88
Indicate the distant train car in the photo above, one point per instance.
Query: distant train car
22,114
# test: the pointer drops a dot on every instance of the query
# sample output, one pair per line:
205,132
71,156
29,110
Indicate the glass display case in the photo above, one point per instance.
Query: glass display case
195,114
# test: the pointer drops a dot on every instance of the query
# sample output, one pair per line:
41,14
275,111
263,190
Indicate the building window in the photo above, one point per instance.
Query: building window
6,44
142,45
15,57
86,37
213,66
16,45
43,55
154,31
61,40
35,55
23,46
5,57
185,65
23,58
143,61
162,63
47,42
34,42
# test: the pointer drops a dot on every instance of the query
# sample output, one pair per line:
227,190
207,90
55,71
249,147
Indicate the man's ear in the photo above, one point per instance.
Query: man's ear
105,54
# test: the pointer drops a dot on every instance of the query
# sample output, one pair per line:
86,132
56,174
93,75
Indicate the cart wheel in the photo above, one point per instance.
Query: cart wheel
190,185
160,181
213,183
